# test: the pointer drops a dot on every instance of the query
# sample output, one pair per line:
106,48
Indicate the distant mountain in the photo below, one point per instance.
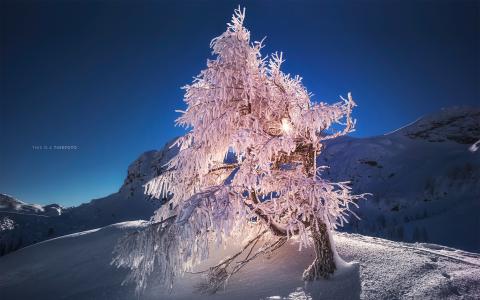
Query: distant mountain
24,224
424,180
456,124
11,205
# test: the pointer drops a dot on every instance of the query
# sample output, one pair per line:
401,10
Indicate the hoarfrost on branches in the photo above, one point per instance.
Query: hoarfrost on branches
243,104
7,224
475,146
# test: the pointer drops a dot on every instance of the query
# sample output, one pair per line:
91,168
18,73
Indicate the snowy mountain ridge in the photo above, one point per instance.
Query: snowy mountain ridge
149,165
9,204
458,124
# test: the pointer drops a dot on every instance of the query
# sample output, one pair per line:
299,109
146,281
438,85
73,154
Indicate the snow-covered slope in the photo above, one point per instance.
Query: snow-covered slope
24,224
424,180
77,266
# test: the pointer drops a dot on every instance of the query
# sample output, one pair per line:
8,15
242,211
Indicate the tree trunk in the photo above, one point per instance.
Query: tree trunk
323,264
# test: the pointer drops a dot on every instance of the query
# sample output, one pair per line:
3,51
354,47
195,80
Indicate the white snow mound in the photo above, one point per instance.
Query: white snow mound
77,266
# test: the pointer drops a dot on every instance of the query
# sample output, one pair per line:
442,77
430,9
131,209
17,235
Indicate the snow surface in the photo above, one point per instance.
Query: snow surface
77,266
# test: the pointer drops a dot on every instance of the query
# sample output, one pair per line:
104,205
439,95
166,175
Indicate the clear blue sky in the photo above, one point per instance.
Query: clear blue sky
106,75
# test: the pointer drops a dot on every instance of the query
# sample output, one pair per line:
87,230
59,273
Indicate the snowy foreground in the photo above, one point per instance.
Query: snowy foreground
77,266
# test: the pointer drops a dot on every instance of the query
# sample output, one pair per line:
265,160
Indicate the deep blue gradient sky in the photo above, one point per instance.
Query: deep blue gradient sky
106,75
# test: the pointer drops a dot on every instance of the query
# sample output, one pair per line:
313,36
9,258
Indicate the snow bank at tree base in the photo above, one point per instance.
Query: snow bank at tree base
77,266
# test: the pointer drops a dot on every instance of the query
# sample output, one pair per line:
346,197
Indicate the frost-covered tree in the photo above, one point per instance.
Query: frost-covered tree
243,105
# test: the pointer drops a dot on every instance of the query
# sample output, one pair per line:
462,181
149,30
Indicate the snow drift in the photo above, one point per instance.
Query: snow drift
77,266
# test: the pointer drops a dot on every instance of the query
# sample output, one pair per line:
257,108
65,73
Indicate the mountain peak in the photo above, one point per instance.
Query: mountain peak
147,166
10,204
457,124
